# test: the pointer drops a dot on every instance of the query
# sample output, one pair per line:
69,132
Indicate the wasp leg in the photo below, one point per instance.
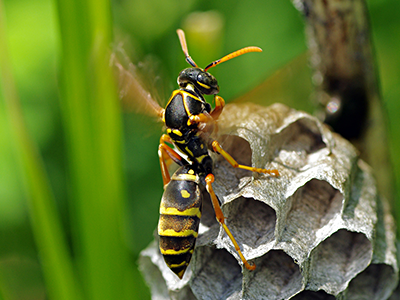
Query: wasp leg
205,122
212,117
200,118
221,219
219,106
217,148
165,154
216,112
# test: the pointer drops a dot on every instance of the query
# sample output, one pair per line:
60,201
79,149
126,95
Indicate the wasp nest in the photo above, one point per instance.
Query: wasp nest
319,231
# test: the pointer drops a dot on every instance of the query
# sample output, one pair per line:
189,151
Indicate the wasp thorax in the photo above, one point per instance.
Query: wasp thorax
203,81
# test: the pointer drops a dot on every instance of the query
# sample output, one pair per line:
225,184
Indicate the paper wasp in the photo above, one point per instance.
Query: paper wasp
189,122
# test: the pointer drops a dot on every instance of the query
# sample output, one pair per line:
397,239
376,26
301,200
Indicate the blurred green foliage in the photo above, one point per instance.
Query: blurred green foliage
148,28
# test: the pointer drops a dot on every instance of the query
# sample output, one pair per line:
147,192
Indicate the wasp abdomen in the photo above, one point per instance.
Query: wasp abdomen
180,213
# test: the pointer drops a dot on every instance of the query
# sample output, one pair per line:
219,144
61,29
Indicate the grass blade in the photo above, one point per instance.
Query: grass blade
57,267
93,127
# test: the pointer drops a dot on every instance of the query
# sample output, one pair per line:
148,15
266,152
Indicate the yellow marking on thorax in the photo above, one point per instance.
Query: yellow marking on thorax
190,152
185,95
163,116
191,172
172,97
185,194
200,158
180,142
173,233
190,212
187,111
177,132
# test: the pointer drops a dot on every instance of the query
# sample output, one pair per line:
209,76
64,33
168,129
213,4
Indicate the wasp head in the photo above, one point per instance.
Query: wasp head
200,79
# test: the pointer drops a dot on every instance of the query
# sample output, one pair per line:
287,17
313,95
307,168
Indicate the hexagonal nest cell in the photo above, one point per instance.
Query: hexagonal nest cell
318,231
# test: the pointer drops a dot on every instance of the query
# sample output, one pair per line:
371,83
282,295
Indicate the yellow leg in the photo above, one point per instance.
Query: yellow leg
200,118
219,106
217,148
211,117
221,219
166,153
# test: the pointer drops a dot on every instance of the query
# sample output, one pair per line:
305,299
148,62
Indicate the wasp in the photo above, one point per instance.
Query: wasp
190,122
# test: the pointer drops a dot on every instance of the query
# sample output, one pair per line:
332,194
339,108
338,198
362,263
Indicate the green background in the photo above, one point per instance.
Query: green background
147,30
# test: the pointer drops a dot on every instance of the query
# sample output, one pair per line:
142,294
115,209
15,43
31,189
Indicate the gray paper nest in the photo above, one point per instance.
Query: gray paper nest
319,231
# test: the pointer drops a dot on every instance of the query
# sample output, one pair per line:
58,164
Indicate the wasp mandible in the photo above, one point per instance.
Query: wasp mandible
189,122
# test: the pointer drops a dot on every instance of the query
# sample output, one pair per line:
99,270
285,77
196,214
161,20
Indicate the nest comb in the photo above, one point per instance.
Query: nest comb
319,231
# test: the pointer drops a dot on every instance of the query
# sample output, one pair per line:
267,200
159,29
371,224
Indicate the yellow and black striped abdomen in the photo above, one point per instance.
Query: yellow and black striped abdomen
180,213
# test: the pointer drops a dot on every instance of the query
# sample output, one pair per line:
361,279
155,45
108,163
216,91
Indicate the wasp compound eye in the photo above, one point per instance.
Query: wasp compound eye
207,83
188,76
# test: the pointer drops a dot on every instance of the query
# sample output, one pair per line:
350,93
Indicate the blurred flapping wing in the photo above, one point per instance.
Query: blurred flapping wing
131,89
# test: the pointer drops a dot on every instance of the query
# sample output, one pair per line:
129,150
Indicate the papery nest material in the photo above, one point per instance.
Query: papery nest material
319,231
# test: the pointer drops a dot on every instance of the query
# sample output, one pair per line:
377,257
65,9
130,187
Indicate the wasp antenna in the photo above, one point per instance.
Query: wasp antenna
233,55
182,39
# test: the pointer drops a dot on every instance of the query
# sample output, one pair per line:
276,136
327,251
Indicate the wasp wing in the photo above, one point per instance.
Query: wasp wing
131,88
291,84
